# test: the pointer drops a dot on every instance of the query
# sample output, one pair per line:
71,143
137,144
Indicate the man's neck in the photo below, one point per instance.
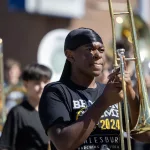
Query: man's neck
14,81
83,81
33,103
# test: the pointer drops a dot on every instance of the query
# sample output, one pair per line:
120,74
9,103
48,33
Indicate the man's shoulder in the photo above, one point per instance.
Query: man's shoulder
100,87
15,111
55,86
18,108
60,89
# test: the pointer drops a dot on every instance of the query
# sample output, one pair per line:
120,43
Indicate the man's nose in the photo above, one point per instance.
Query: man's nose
97,54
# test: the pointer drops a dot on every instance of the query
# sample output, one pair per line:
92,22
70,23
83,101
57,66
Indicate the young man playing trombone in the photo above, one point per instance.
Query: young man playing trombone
77,112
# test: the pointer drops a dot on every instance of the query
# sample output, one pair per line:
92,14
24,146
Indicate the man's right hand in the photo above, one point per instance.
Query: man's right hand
113,89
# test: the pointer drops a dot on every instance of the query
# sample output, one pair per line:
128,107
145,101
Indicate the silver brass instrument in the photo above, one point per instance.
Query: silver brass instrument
143,122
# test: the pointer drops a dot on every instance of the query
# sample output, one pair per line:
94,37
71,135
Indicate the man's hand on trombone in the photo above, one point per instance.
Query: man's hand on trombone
116,78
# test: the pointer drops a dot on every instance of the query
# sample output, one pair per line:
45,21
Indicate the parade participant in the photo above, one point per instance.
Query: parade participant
77,112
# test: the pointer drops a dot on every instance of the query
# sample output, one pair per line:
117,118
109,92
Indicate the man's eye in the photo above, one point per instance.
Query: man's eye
101,50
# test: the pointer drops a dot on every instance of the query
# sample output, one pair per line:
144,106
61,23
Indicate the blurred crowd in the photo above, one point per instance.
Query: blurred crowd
14,91
13,86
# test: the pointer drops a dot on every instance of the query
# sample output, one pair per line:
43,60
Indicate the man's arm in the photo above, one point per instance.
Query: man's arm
143,137
72,136
133,105
9,132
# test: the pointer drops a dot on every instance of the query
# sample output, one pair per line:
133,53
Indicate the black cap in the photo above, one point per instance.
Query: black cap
79,37
75,39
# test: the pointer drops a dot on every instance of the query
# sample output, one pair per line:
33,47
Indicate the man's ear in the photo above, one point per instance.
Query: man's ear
69,55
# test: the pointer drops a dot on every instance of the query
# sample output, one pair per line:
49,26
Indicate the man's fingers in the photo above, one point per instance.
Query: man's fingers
116,72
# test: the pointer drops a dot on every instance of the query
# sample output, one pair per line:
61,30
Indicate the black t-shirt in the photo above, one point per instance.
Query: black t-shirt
67,102
23,130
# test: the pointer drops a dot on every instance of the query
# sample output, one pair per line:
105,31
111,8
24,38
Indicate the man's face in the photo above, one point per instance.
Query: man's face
14,73
35,88
89,59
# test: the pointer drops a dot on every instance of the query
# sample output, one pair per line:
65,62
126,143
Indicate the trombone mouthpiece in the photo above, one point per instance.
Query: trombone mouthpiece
121,51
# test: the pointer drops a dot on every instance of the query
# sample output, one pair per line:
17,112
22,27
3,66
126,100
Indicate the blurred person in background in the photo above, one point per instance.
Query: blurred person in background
13,71
13,88
146,71
23,129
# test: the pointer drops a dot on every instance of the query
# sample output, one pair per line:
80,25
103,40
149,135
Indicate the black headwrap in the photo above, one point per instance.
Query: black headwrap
75,39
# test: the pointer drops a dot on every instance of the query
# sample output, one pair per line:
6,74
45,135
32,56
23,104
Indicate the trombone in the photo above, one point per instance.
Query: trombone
143,122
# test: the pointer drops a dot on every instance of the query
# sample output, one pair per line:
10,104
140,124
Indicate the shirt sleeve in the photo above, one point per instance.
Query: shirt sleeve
53,108
9,132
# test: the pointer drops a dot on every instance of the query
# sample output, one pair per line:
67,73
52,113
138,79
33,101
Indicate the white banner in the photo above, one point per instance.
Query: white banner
64,8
